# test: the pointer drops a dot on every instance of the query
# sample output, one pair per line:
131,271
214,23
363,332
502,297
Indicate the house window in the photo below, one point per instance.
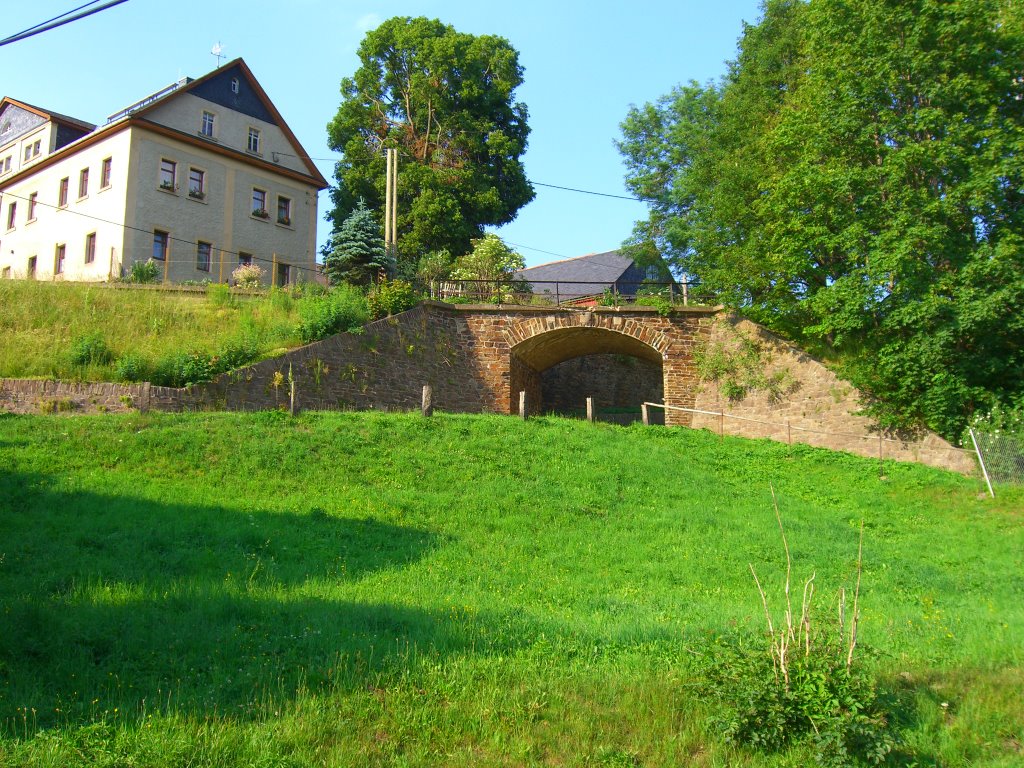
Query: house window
284,210
196,183
160,244
5,165
31,272
254,141
62,193
234,85
168,171
90,248
105,172
58,260
83,183
203,256
207,126
244,258
32,206
259,203
284,274
32,150
12,213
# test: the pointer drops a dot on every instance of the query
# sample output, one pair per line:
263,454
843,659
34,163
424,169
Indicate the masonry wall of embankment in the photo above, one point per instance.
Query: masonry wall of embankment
478,359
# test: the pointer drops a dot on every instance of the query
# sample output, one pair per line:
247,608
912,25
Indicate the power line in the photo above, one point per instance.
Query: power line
538,250
535,183
61,20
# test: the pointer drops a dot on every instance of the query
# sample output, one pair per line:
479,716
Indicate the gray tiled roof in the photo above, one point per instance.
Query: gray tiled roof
582,276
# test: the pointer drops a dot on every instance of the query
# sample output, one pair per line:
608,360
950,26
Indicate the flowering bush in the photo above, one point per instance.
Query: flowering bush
248,276
1000,420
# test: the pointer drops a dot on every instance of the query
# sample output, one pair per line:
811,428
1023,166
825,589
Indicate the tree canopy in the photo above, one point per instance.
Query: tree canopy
445,100
856,182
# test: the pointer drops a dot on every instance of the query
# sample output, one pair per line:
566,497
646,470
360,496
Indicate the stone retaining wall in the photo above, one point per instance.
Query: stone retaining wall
478,359
816,408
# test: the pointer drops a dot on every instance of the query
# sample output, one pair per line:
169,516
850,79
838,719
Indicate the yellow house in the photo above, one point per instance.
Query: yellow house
201,176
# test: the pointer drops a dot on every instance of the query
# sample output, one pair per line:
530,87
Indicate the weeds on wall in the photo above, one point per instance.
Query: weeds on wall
738,364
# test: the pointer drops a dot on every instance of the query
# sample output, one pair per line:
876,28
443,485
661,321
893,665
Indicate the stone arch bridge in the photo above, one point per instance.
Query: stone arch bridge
477,358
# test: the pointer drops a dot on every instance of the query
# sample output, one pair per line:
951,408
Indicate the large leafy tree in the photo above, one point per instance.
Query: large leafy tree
856,182
445,100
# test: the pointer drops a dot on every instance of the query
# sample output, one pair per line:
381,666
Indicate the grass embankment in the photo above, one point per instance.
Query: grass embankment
40,323
368,589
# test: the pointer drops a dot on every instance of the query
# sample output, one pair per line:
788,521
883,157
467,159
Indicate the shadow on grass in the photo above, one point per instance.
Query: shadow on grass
115,604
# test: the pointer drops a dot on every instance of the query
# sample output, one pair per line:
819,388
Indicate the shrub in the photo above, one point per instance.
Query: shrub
132,367
144,272
181,369
248,276
389,297
343,309
90,349
237,352
803,687
836,708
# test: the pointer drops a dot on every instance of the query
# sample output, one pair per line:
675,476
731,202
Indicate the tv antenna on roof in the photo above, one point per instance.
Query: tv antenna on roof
218,51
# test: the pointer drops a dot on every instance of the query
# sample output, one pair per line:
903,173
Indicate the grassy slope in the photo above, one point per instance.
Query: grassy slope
39,321
360,589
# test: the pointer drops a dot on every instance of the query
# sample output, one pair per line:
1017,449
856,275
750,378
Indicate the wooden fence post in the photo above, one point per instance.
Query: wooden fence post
522,405
590,409
645,414
427,406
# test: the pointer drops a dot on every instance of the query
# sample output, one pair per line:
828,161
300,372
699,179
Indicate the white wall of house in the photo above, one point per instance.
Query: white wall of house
98,213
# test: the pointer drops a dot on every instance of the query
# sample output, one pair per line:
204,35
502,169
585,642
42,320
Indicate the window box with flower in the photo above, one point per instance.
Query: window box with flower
261,213
167,186
285,220
196,194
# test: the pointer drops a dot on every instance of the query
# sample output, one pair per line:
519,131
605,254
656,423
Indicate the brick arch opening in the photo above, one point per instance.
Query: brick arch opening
561,367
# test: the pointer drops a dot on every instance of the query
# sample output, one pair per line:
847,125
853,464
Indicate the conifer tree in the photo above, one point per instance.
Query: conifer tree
356,251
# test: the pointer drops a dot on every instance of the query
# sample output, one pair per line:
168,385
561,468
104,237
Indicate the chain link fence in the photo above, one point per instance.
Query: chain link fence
1001,456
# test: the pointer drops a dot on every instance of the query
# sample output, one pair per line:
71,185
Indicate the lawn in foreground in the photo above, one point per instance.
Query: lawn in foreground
360,589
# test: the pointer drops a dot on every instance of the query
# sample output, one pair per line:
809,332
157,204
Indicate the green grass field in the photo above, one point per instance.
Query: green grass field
373,589
41,321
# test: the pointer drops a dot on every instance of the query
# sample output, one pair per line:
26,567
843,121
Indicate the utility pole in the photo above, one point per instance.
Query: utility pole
391,205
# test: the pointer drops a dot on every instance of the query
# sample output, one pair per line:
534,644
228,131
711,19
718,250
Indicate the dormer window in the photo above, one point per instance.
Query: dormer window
207,125
234,85
254,141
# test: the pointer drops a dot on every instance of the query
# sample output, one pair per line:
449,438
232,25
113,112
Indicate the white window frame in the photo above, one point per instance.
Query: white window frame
208,128
252,144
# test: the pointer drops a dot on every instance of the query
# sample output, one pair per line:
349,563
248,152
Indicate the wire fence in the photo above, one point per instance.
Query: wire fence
1001,456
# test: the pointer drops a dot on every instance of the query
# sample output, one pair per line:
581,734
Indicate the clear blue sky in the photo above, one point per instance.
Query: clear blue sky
585,63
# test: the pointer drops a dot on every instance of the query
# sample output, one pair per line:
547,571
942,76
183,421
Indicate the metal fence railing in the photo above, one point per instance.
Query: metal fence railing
1001,457
560,292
